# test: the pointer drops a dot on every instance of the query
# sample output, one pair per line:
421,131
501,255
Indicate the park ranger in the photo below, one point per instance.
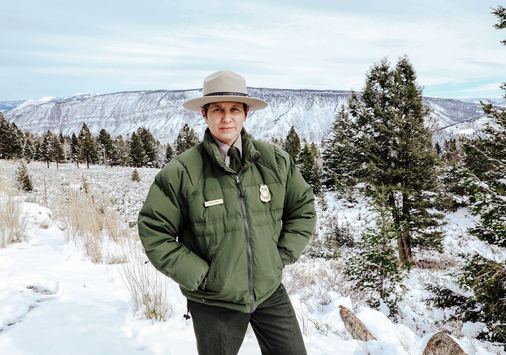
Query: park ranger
223,219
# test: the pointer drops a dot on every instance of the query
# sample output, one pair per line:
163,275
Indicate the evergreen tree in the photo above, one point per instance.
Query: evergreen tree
342,167
385,142
17,141
122,151
500,13
483,280
57,153
36,151
106,147
46,152
11,139
23,179
149,144
138,156
74,149
169,153
314,151
376,270
28,150
88,152
135,176
452,156
186,139
291,144
310,170
3,136
485,175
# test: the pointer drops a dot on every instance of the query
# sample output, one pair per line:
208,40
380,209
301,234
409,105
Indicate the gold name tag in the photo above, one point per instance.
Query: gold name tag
213,203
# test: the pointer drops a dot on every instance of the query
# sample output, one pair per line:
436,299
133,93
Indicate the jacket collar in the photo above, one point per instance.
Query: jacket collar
249,153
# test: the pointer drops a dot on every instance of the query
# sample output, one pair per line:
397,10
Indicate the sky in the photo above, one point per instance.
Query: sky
61,47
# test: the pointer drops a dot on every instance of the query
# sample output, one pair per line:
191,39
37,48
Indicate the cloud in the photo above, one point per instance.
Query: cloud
285,44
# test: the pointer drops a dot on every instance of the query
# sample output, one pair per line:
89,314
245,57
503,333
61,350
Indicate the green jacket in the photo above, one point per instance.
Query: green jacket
207,228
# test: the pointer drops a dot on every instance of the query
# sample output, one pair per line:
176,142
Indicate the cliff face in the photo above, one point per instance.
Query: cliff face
310,112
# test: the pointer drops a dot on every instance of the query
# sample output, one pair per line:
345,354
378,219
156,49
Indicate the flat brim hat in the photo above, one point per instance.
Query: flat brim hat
224,86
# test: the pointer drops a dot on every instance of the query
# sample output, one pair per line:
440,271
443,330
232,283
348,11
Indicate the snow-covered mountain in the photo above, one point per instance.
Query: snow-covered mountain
7,105
311,112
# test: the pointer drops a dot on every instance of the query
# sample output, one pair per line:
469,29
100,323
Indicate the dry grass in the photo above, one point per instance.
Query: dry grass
93,225
146,285
13,222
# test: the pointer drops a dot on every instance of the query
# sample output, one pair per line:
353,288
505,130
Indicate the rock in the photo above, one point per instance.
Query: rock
356,328
442,344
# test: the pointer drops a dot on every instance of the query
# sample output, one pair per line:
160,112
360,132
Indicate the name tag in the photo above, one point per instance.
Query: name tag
213,203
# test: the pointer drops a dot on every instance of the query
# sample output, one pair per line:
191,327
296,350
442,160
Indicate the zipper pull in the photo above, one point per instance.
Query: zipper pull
239,188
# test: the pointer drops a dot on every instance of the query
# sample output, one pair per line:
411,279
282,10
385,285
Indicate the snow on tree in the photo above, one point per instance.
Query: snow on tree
382,138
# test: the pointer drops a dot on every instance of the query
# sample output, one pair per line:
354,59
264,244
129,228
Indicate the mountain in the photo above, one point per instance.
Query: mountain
311,112
7,105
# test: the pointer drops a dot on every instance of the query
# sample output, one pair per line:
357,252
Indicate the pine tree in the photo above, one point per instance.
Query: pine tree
291,144
36,151
74,149
381,139
169,153
135,176
87,146
46,153
376,270
138,156
149,144
57,152
186,139
17,141
310,170
23,179
106,147
342,161
483,280
11,140
122,151
28,150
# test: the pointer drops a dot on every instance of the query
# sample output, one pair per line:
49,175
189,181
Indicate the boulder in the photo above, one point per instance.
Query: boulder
354,326
442,344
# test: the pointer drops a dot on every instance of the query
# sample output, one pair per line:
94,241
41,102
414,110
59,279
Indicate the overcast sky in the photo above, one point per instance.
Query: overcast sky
63,47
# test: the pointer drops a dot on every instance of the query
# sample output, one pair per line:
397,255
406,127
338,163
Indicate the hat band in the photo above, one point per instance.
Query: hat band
226,94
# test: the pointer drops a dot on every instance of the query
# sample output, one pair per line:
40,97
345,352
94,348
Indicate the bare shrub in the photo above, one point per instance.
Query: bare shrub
83,224
146,285
13,221
93,225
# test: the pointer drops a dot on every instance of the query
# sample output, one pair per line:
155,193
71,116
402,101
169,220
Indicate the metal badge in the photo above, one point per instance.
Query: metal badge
265,194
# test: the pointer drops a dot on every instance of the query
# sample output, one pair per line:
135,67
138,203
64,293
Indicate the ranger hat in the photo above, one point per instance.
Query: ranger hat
224,86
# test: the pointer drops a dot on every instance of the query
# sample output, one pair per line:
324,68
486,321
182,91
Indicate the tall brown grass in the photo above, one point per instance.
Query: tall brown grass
13,222
91,222
146,285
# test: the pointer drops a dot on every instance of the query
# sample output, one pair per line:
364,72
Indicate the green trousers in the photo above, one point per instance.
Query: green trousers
220,331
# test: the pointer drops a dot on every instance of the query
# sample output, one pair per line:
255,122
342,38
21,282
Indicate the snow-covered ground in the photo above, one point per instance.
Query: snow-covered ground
54,300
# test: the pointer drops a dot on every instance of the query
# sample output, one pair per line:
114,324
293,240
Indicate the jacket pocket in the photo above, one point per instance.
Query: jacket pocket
206,280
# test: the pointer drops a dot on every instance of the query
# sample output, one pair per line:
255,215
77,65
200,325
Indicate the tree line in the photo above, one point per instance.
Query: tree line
140,149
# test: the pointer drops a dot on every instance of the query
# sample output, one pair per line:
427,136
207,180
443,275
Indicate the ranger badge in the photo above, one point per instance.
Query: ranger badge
265,194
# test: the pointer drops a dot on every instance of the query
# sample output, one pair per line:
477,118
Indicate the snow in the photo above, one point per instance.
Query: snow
54,300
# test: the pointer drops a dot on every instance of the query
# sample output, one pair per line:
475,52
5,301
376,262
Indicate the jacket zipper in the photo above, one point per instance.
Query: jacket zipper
207,278
248,244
